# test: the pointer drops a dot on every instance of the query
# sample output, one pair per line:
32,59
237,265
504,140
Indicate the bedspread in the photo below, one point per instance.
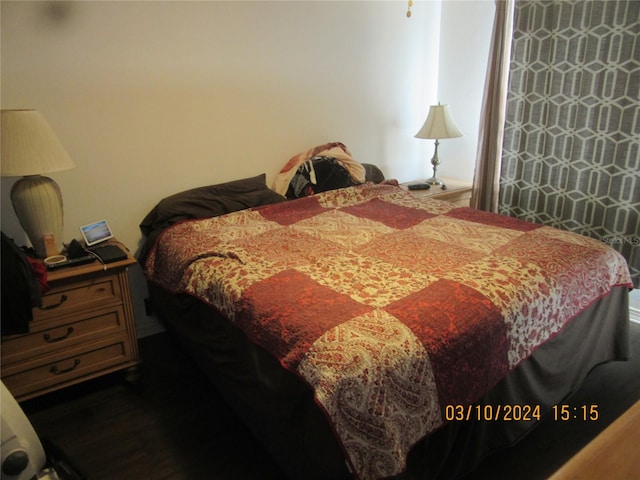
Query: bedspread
388,305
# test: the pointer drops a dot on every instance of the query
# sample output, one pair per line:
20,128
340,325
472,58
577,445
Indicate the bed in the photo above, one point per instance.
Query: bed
365,332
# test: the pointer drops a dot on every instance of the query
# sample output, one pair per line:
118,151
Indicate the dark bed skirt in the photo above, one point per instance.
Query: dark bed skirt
280,410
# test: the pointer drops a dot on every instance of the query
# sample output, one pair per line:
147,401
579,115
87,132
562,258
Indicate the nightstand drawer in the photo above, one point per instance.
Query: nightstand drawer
67,298
67,367
75,330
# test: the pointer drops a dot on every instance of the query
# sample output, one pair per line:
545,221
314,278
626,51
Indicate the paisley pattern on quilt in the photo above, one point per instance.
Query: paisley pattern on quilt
390,306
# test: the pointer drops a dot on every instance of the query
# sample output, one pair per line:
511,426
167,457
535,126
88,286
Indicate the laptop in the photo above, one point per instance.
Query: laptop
95,234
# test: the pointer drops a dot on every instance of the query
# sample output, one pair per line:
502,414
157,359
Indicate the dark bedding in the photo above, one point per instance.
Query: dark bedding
280,410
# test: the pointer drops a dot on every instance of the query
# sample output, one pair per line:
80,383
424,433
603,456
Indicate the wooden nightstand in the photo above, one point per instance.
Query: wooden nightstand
458,192
85,328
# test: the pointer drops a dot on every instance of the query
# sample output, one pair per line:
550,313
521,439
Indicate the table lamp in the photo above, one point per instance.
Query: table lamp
438,125
29,149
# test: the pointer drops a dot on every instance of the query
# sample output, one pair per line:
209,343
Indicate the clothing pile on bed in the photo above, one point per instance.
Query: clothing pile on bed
322,168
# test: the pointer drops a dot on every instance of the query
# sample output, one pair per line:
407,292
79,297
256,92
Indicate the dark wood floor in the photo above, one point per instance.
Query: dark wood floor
173,424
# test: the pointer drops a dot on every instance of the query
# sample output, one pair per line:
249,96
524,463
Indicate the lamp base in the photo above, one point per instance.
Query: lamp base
436,181
435,161
37,201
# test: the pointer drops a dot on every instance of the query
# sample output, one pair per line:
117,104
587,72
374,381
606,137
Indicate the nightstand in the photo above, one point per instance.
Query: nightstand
458,192
85,328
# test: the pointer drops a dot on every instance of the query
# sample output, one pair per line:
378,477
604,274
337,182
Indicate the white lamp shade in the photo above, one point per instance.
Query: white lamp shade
29,145
439,124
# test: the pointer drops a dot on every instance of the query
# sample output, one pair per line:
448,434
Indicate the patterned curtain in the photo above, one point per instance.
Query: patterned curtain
571,151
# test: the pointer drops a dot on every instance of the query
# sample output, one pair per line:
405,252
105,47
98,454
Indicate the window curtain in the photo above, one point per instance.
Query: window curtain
571,147
492,116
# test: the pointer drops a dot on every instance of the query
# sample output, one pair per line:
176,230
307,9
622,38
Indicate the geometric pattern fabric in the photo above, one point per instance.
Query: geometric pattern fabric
571,150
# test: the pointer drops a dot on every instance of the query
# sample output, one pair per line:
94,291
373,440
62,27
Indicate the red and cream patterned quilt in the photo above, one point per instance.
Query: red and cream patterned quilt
388,305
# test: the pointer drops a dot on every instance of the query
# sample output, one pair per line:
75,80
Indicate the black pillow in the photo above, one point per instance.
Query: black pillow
210,201
372,173
206,202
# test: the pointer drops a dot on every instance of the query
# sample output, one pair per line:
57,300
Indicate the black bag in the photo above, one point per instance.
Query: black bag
20,289
316,175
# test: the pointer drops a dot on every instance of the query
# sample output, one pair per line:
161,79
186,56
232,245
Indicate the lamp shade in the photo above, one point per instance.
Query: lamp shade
29,145
439,124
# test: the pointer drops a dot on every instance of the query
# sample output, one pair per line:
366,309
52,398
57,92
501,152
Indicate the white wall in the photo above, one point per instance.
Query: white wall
465,37
151,98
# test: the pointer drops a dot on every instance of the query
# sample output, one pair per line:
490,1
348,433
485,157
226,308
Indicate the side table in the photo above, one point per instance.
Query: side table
85,328
458,192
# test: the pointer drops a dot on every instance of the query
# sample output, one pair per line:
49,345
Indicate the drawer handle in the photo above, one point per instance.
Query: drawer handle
47,337
63,299
56,371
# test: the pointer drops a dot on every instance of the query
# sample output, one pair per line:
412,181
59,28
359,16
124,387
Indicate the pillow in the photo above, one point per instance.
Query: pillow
210,201
372,173
206,202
